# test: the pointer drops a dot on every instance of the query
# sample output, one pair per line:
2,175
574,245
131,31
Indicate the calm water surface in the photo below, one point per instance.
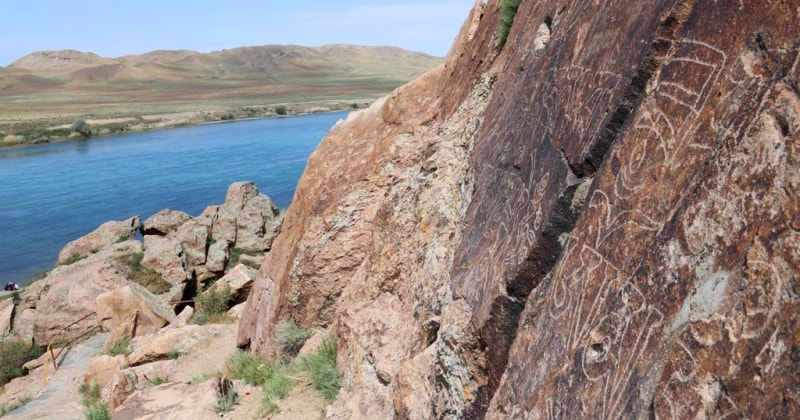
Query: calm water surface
52,194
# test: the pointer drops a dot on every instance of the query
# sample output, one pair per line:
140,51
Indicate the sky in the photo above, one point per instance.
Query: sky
117,28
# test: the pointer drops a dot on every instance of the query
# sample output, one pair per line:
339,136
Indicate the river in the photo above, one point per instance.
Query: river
52,194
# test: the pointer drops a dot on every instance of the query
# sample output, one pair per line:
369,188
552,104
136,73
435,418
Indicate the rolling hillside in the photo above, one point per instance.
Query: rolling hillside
50,88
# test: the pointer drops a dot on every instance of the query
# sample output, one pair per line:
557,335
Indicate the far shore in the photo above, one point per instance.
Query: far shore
55,130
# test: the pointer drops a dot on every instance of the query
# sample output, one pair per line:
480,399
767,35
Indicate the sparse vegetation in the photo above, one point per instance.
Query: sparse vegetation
11,407
73,259
158,380
321,365
226,401
236,257
96,409
196,379
508,10
174,354
120,347
290,337
213,300
145,276
278,379
13,295
13,355
211,306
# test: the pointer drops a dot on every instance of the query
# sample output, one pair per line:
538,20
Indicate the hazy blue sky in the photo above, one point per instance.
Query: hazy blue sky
116,28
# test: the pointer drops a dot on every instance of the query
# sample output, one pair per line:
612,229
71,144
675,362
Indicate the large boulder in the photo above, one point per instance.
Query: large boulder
165,255
252,216
104,236
103,368
131,311
164,222
68,293
239,280
125,382
596,220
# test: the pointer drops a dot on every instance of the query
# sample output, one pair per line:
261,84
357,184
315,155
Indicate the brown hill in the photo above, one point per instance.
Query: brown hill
245,66
50,88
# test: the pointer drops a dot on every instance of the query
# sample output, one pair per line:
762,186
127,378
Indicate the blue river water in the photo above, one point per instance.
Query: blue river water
54,193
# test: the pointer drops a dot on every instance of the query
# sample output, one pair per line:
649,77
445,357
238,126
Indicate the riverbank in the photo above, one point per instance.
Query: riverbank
62,127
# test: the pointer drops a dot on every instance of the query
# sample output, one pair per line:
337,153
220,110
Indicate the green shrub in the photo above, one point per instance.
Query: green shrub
96,409
235,257
121,346
82,128
508,10
321,365
278,379
158,380
173,354
252,369
73,259
213,301
281,110
13,295
145,276
225,402
13,355
290,337
34,134
277,387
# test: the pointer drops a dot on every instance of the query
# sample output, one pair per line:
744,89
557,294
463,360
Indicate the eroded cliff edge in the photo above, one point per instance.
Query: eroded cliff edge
598,219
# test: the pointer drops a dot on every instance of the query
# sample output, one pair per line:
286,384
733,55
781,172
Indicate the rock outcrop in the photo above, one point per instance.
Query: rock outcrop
598,219
104,236
182,248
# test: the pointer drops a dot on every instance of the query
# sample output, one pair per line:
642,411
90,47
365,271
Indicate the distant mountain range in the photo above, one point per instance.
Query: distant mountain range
251,71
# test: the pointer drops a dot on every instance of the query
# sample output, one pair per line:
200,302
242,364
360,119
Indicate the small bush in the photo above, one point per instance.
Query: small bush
213,301
225,402
277,387
278,379
281,110
145,276
96,409
13,295
290,337
508,10
13,355
82,128
250,368
73,259
321,365
158,380
122,346
235,257
173,354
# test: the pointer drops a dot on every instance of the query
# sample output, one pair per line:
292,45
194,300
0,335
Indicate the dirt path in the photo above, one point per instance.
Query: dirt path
60,399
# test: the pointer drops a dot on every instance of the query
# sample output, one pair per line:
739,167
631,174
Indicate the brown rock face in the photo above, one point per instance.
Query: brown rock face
599,219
